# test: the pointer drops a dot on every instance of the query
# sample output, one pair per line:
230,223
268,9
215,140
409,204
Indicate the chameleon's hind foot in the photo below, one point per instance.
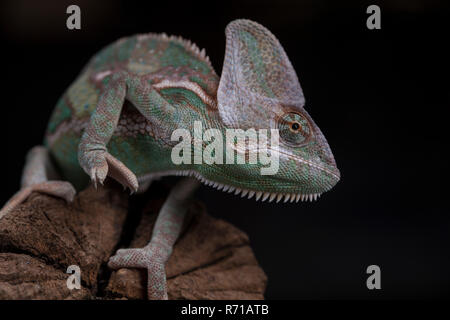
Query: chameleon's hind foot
150,258
60,189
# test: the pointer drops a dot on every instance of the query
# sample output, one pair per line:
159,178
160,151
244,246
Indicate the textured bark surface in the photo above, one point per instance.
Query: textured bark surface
42,237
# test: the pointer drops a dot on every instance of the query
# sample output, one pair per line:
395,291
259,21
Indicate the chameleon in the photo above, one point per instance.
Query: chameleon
117,118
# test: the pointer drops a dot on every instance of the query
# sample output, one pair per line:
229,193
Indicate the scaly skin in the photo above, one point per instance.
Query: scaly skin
117,118
142,144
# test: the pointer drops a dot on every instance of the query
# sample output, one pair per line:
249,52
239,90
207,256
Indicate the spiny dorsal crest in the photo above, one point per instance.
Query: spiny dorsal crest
187,44
258,82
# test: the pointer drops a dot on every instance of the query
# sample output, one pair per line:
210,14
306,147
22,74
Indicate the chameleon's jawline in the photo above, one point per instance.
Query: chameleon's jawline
259,195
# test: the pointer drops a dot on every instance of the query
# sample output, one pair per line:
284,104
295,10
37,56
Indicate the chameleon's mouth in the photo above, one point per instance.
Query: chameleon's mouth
257,194
260,195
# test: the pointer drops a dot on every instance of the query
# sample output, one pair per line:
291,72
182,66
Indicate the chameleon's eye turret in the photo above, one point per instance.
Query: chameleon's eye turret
294,129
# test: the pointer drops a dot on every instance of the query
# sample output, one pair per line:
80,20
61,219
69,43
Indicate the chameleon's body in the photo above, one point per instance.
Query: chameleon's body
117,119
144,146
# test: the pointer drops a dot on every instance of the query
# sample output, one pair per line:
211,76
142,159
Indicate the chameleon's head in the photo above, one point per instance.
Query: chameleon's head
259,89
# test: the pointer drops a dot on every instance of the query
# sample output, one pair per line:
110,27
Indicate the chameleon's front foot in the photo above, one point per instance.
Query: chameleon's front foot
99,163
151,258
60,189
154,256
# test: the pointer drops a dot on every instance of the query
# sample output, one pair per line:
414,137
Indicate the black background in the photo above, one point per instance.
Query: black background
379,96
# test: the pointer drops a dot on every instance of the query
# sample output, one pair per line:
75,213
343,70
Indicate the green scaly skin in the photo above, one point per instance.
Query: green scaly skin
144,149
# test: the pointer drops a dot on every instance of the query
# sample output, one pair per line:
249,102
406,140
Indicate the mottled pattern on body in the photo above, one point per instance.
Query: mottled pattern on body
167,63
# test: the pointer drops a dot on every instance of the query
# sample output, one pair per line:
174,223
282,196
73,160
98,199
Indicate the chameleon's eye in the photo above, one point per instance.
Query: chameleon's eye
294,128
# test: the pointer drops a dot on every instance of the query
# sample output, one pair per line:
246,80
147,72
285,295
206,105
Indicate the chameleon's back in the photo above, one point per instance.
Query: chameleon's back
158,59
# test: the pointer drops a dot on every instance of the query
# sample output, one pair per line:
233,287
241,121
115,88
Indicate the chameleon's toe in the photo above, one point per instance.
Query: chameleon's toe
144,258
121,173
60,189
98,174
129,258
95,165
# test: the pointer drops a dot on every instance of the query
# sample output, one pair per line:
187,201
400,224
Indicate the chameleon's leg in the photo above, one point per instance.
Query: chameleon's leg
147,100
35,178
154,256
92,154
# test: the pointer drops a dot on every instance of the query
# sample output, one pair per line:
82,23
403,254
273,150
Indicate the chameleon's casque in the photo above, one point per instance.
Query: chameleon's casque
118,117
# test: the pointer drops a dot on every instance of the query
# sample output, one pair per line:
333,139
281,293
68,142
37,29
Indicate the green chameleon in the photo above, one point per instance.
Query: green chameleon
118,117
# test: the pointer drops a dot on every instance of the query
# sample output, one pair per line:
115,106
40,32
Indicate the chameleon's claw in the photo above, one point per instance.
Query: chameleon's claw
99,169
96,178
93,179
107,165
